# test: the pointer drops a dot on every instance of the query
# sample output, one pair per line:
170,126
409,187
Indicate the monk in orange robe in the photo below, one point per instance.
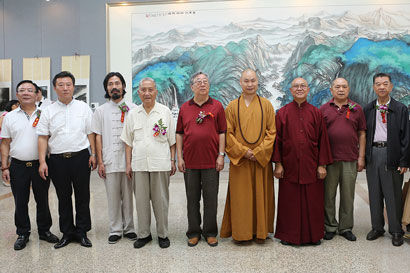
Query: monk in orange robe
250,205
301,154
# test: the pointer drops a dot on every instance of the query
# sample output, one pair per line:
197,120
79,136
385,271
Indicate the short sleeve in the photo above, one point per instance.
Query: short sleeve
89,116
221,120
5,128
43,123
127,135
96,122
180,124
171,130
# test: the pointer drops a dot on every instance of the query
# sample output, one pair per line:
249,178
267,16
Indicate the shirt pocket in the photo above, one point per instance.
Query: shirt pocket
138,132
57,123
161,138
78,123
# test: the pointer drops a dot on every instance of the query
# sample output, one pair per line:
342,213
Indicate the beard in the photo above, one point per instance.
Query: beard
116,95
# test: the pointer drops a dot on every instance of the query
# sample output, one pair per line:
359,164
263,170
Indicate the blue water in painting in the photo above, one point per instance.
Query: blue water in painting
391,53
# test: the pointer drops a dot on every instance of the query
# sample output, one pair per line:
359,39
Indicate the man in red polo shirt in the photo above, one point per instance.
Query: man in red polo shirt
346,127
200,139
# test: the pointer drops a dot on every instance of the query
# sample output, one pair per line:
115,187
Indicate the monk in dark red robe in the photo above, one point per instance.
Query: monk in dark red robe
301,154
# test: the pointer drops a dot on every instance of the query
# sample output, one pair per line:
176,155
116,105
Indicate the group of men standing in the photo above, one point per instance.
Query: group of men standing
138,148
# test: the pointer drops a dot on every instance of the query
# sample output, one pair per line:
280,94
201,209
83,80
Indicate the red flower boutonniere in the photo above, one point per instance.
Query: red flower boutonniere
383,110
37,118
202,115
159,128
350,108
124,109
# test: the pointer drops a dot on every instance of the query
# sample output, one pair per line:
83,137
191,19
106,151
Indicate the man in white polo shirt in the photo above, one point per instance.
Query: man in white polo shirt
65,126
149,135
108,121
20,142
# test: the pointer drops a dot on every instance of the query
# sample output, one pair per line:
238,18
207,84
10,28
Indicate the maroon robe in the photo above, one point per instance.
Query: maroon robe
301,146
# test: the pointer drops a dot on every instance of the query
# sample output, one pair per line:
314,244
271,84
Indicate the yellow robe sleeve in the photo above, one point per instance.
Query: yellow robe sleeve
234,149
263,152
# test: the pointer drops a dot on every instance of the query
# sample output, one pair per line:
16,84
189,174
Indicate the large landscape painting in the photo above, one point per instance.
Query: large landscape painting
316,43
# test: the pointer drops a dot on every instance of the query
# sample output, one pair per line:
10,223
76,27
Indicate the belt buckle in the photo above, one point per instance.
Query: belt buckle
29,164
67,155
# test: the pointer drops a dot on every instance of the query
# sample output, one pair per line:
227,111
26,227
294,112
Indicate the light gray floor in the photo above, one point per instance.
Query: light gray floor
337,255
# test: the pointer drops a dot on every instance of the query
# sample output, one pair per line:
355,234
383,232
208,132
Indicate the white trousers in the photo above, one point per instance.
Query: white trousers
120,203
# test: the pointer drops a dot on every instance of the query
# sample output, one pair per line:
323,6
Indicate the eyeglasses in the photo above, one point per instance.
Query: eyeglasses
301,86
199,82
146,90
21,90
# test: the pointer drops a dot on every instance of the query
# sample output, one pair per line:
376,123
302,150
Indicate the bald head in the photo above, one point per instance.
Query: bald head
249,82
249,72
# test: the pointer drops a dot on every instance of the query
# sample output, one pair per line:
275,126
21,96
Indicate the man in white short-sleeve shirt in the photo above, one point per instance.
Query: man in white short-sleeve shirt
107,124
65,126
20,143
149,135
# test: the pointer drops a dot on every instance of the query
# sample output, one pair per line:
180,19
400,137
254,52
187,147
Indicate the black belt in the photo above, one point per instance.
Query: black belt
69,154
380,144
28,164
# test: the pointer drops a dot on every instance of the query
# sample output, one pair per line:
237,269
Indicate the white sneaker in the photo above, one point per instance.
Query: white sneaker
6,184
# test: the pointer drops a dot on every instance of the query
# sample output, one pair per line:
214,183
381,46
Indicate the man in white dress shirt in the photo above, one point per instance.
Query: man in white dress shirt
149,135
65,126
107,124
20,142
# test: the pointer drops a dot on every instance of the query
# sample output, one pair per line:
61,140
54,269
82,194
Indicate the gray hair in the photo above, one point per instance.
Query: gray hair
146,79
191,80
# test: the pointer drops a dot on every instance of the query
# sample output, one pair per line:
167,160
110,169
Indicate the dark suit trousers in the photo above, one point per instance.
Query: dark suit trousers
207,182
23,175
68,174
384,184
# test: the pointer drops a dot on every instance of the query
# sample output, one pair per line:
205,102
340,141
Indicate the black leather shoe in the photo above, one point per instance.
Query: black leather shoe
397,239
85,242
21,242
348,235
48,237
329,235
142,242
315,243
62,243
163,242
374,234
131,236
113,239
286,243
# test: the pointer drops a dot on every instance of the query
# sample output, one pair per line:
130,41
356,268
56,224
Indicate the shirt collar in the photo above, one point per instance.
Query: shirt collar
332,102
301,105
18,109
62,104
377,102
116,104
140,108
210,101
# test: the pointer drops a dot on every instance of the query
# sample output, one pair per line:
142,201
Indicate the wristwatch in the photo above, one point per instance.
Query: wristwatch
222,154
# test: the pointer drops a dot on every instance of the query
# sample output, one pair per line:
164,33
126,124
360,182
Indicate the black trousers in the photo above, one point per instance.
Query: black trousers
207,182
22,175
68,174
